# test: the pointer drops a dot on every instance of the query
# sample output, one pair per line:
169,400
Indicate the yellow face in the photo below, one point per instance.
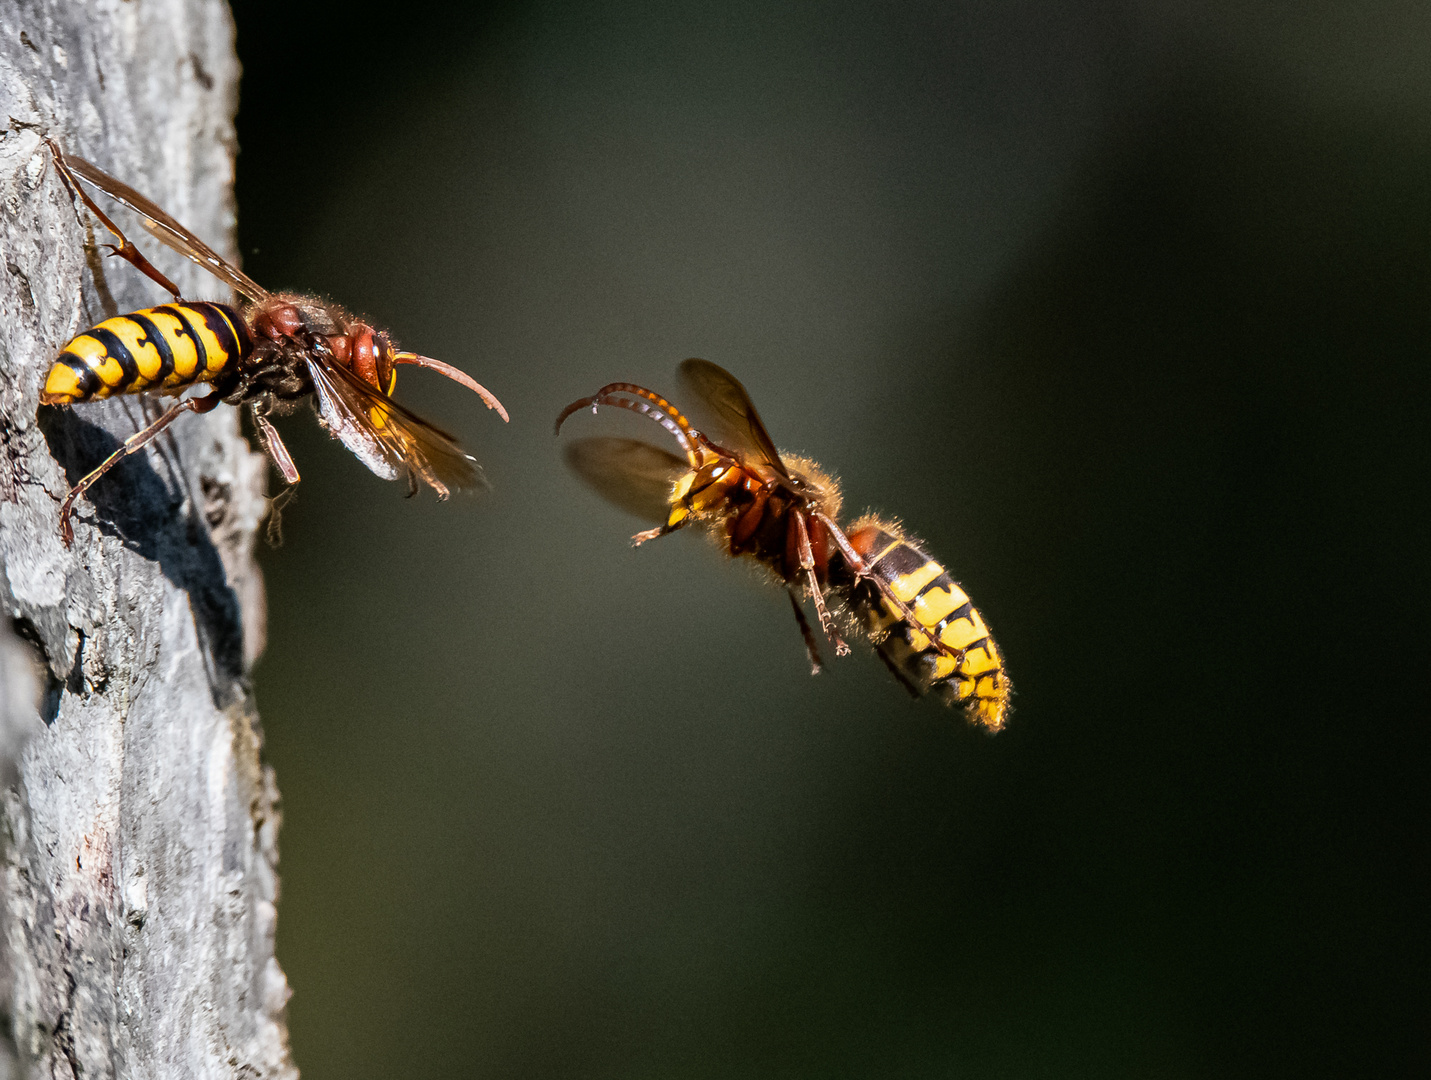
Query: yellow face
705,490
701,491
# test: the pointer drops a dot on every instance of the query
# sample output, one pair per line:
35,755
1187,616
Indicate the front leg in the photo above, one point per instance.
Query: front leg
277,453
273,446
132,445
651,534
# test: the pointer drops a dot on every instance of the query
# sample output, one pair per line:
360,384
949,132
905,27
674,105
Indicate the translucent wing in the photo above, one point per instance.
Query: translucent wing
166,230
632,474
385,437
740,427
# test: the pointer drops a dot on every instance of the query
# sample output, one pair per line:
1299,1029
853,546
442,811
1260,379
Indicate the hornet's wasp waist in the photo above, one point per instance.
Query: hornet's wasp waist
274,353
784,512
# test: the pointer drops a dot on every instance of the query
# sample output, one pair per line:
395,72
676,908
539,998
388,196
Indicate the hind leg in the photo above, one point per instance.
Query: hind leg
811,648
136,442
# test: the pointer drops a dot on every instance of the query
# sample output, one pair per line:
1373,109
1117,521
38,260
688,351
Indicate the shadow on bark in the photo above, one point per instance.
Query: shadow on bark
135,504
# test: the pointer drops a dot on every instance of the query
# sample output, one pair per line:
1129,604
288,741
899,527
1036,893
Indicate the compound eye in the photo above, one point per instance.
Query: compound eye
387,370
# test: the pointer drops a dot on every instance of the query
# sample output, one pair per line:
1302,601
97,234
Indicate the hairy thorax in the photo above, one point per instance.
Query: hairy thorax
747,508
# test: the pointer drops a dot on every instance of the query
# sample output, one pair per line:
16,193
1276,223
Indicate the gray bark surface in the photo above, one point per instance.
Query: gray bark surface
139,832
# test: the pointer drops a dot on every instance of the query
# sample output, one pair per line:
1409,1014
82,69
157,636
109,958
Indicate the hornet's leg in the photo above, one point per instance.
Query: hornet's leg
273,446
135,442
744,526
816,664
862,572
903,679
124,249
651,534
807,567
277,453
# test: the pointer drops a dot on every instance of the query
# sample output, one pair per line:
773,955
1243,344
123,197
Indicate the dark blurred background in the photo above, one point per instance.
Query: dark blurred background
1122,306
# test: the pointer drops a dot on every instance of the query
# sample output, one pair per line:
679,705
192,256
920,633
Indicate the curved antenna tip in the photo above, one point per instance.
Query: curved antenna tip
457,375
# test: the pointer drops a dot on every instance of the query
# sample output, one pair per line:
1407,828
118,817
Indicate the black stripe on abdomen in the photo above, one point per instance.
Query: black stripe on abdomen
901,559
245,340
116,350
154,336
201,362
965,611
214,317
86,378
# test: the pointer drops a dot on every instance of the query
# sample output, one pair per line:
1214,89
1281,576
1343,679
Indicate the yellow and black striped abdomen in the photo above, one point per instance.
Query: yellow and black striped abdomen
941,610
166,347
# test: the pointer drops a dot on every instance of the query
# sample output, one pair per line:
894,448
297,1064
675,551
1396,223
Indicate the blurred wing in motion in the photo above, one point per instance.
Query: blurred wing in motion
629,473
740,427
388,439
166,230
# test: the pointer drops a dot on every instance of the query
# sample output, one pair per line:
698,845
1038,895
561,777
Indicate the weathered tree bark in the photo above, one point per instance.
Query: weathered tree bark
139,837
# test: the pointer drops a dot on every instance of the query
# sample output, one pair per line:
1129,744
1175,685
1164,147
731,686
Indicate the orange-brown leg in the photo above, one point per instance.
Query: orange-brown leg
749,519
277,453
862,572
134,443
273,445
816,664
807,567
651,534
124,249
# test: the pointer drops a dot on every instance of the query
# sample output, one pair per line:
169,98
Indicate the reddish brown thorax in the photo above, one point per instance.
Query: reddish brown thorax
365,352
759,511
276,320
